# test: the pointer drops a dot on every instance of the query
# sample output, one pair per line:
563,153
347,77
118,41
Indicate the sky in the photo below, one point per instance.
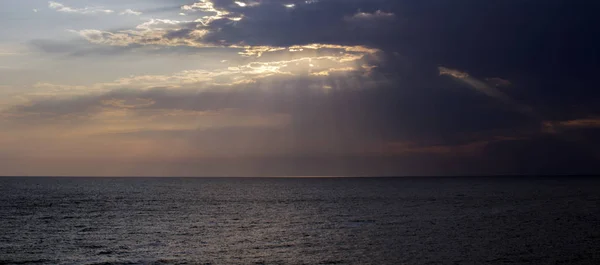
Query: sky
299,87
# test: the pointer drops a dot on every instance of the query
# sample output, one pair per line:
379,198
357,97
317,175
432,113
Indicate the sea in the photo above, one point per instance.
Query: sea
404,220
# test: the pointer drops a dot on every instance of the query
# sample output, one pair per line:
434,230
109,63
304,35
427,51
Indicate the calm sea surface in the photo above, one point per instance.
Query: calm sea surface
300,221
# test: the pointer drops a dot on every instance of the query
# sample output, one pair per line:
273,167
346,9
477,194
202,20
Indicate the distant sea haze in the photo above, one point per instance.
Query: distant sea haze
451,220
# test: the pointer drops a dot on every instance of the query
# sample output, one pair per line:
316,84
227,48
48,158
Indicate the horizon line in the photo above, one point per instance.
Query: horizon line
317,176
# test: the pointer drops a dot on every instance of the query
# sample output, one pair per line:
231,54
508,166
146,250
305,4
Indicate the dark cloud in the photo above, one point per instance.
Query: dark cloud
271,23
549,51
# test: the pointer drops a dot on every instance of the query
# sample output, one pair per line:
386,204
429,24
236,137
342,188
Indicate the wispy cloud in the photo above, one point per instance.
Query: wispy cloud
206,6
488,90
453,73
591,122
377,15
85,10
8,53
130,12
11,50
476,84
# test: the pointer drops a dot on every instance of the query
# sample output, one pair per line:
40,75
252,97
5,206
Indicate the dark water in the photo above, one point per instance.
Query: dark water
300,221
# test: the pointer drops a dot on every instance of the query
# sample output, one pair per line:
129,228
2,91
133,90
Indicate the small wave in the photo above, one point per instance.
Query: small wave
147,262
332,262
37,261
362,221
274,246
92,246
88,229
117,263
